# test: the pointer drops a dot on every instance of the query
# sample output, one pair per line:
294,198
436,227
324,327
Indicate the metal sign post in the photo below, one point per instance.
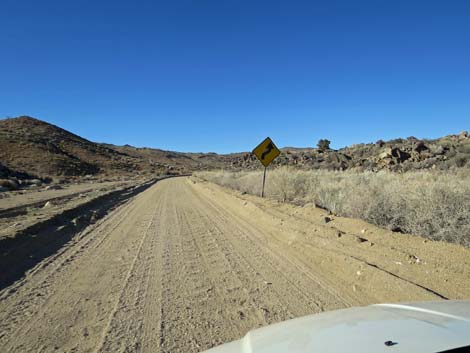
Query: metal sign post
266,152
264,181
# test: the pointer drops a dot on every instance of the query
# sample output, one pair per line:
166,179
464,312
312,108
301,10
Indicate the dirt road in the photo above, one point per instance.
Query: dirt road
185,266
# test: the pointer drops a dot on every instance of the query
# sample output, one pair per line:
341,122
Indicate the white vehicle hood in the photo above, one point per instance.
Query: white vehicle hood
425,327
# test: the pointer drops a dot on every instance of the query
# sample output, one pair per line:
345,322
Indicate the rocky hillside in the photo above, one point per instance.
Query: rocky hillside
399,155
28,145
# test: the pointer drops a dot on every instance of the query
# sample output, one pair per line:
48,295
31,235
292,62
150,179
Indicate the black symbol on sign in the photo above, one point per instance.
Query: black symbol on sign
268,149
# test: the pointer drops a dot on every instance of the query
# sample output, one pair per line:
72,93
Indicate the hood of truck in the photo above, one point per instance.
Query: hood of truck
425,327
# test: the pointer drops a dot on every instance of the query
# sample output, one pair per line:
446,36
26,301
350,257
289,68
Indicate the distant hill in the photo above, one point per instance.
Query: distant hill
179,161
33,148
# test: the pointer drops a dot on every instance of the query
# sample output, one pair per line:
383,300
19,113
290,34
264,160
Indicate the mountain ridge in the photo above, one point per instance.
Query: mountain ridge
29,146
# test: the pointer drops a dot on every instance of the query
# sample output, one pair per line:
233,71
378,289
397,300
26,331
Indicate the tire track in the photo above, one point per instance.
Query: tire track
15,314
130,299
254,236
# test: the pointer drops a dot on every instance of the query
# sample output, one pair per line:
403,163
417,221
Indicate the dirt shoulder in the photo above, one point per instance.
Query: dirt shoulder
366,263
20,210
14,199
31,232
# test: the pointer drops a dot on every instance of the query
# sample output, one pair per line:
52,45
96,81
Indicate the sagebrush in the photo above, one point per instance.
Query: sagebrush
429,203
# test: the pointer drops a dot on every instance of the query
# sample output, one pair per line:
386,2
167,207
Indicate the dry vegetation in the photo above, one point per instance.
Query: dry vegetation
429,203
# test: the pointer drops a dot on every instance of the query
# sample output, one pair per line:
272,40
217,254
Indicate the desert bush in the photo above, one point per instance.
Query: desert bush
324,144
435,204
465,149
380,143
287,184
461,160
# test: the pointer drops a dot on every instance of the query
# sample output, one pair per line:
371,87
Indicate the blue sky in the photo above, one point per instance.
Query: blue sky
220,75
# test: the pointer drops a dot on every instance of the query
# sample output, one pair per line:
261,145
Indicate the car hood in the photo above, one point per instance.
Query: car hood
427,327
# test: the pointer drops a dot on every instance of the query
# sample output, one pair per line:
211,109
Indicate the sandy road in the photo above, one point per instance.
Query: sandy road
185,266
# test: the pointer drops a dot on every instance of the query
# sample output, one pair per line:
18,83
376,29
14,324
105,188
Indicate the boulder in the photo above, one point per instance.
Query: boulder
438,150
420,147
399,155
48,204
385,154
53,187
327,219
36,182
394,153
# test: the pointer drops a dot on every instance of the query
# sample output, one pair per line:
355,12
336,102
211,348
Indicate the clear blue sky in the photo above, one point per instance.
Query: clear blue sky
220,75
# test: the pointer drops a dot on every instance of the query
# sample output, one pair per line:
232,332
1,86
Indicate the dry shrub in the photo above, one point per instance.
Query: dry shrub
287,184
434,204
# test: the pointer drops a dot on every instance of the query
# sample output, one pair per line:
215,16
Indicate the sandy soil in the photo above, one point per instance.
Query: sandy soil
187,265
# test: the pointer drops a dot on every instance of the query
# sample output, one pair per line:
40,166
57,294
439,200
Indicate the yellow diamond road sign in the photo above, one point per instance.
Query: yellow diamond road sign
266,152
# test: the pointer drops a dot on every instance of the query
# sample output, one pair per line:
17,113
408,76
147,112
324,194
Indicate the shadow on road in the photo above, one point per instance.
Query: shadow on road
43,239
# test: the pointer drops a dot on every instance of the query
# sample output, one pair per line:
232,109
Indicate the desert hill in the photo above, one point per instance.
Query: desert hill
35,147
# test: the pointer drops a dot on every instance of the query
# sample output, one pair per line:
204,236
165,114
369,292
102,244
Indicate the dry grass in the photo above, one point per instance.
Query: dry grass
429,203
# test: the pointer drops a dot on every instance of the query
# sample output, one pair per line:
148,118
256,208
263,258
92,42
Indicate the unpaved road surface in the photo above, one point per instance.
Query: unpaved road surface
186,265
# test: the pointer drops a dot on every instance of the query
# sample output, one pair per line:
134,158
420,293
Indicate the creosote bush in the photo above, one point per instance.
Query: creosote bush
434,204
